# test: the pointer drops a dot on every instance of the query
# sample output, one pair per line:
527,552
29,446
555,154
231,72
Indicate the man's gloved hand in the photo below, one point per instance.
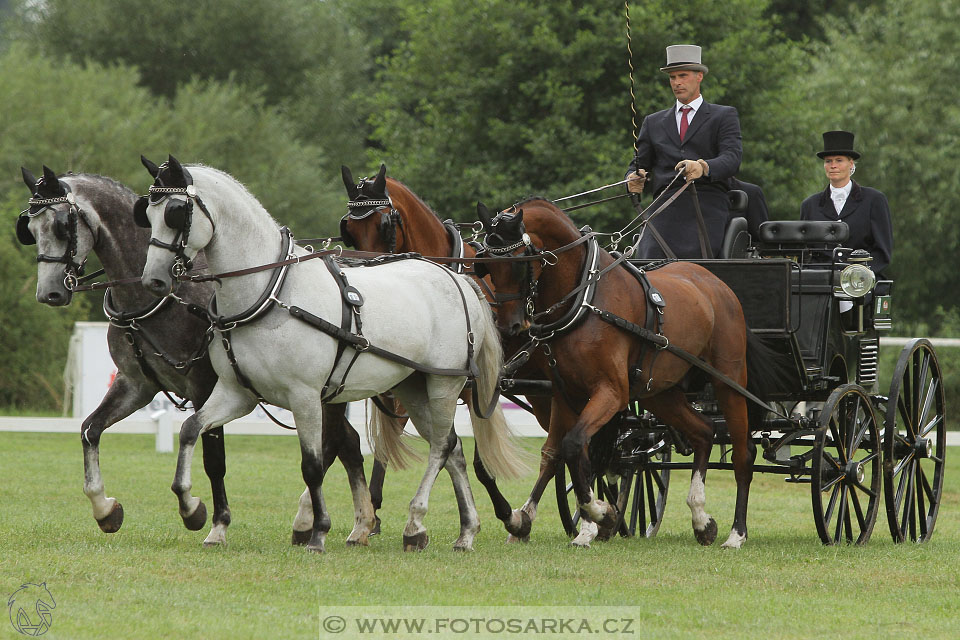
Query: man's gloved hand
693,169
636,180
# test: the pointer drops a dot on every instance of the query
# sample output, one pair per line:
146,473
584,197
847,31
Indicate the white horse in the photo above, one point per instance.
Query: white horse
412,308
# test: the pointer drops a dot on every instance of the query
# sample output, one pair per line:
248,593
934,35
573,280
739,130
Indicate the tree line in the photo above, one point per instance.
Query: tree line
492,100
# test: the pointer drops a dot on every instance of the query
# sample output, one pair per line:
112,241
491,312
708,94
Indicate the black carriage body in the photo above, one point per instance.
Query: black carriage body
791,298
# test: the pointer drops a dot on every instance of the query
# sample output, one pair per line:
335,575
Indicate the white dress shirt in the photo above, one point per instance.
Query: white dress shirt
694,104
839,196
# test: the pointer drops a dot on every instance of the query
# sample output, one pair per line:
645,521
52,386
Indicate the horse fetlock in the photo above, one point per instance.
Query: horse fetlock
608,524
301,538
588,531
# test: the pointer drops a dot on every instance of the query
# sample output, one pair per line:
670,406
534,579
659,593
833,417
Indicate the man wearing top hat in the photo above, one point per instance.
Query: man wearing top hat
865,210
703,140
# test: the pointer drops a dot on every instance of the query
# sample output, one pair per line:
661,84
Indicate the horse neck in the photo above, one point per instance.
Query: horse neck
245,236
120,245
422,230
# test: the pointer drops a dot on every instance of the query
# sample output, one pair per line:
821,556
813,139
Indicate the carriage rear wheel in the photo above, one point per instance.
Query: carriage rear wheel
914,444
846,470
647,485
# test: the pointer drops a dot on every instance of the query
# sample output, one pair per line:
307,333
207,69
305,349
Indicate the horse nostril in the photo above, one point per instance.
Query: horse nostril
156,286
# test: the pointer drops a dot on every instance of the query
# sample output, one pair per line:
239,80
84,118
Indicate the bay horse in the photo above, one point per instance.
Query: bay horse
386,216
156,344
597,367
420,331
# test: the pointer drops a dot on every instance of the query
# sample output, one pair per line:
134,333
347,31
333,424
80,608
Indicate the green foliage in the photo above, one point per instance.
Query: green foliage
297,55
888,78
497,100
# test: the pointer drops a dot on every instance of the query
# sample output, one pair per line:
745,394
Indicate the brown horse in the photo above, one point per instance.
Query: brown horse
386,216
597,367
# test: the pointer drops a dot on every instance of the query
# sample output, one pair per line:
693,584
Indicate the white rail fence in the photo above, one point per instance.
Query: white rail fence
90,372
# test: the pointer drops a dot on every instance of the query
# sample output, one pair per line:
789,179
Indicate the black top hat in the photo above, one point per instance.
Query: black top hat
838,143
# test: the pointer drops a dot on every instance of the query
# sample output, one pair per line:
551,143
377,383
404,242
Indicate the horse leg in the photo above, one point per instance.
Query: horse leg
603,405
376,491
221,407
122,399
456,466
342,440
426,413
215,466
672,407
734,408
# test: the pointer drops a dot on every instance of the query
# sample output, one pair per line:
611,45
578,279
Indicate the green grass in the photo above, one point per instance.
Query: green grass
153,579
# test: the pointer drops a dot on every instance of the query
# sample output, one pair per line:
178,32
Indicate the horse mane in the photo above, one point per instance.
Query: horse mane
233,180
416,197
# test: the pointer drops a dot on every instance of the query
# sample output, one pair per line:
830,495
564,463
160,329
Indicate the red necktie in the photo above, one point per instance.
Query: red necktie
684,110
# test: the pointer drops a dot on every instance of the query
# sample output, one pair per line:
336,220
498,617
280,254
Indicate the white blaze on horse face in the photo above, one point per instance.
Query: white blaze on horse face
696,500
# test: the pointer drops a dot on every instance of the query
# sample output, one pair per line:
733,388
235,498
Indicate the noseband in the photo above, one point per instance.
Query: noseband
72,269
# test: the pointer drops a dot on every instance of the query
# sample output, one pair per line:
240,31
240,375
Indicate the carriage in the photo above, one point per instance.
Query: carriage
836,427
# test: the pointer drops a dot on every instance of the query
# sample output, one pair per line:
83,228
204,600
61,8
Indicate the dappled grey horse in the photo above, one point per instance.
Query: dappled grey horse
312,331
157,344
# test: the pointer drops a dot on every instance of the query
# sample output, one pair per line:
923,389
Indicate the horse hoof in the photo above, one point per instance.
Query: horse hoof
376,527
607,526
580,544
463,547
111,522
512,539
196,520
521,530
300,538
416,542
358,542
708,535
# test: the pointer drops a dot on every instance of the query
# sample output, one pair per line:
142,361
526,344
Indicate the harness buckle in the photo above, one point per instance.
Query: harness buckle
666,342
362,346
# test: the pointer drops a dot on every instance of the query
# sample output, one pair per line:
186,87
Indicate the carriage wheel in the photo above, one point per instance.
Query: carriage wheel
647,485
845,480
914,444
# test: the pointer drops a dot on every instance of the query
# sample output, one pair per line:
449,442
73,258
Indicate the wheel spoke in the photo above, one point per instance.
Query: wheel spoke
907,505
905,414
907,459
838,442
841,512
928,400
924,484
861,518
831,505
921,509
930,426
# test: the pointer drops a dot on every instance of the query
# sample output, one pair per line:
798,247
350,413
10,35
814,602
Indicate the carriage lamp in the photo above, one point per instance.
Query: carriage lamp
856,280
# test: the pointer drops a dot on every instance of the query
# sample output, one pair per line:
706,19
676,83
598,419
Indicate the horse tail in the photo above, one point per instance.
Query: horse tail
385,433
498,447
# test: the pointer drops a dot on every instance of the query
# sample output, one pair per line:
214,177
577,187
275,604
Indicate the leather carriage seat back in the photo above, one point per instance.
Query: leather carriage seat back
804,232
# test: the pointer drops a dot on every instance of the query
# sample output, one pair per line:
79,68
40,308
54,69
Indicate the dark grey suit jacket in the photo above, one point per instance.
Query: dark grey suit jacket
867,213
714,136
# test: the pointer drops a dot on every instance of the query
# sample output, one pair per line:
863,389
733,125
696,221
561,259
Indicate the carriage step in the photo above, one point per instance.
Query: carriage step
795,480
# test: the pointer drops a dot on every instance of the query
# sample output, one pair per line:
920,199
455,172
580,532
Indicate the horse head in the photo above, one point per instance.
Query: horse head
515,281
52,222
362,227
177,235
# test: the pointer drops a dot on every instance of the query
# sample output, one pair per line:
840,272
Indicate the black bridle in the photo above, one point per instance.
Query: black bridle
364,206
65,227
177,215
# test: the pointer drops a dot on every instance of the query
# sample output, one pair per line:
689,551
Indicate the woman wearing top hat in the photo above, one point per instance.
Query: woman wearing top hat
865,210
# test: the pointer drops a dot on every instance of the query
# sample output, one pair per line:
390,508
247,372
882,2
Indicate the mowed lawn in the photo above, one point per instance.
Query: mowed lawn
153,579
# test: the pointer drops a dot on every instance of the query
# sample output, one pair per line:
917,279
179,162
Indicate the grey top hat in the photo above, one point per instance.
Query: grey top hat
683,56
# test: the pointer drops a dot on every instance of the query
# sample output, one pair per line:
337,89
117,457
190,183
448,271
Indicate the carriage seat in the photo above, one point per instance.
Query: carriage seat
807,232
736,238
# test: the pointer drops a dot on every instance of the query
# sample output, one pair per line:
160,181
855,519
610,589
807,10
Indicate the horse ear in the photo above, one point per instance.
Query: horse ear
380,183
484,215
28,179
352,191
49,177
153,169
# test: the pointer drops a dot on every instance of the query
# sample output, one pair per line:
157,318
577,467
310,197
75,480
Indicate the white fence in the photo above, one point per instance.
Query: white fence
90,372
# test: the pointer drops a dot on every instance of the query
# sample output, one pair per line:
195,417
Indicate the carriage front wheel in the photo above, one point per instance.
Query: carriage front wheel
914,443
845,476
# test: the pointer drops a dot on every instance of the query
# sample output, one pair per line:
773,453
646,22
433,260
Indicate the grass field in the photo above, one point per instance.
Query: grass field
153,579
